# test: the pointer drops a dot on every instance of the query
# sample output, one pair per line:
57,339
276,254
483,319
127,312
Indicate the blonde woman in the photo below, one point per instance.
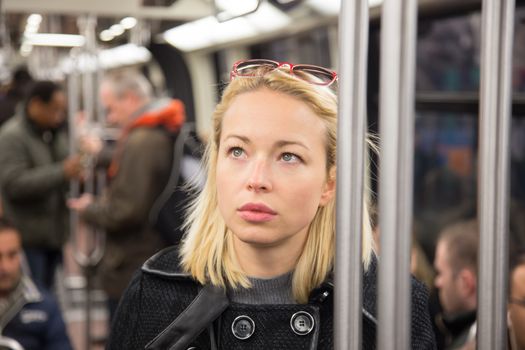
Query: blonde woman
254,270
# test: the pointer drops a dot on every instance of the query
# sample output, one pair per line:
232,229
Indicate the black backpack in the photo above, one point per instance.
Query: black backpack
169,210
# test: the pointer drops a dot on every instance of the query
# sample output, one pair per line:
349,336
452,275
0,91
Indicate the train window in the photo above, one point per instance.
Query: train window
444,172
312,47
448,52
447,106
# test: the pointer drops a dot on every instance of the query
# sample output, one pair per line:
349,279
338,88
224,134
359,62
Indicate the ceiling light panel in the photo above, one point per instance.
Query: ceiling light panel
58,40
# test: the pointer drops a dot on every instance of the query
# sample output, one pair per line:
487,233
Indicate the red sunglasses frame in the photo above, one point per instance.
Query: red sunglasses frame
234,73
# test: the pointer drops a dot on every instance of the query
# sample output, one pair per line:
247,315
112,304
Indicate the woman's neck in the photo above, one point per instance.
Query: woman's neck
262,261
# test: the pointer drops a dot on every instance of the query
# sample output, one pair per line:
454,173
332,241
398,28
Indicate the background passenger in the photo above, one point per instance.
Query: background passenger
15,93
138,173
27,314
516,307
261,235
456,280
34,174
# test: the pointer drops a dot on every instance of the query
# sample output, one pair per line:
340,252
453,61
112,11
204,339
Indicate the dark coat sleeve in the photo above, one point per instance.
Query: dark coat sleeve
423,337
124,331
20,179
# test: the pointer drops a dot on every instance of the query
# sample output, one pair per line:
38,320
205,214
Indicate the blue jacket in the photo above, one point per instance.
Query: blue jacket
34,319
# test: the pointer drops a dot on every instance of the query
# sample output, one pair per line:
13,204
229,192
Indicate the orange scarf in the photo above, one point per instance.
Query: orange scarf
170,118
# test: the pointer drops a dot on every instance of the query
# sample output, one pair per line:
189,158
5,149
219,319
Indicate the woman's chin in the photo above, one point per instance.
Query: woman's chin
258,240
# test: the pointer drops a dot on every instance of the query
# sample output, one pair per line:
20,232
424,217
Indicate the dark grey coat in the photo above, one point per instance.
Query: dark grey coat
159,293
32,182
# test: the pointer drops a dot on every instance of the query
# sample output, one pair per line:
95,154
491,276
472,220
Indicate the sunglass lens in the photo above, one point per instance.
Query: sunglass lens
314,74
255,67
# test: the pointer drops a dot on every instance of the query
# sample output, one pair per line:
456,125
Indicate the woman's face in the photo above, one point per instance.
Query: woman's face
271,168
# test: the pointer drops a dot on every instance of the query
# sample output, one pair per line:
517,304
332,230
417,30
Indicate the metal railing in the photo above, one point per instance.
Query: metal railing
497,28
350,172
88,244
398,40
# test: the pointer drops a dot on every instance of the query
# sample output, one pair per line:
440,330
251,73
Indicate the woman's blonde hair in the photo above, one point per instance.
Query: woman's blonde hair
207,251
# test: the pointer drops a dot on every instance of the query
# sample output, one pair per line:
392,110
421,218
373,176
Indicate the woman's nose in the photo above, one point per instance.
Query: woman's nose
259,179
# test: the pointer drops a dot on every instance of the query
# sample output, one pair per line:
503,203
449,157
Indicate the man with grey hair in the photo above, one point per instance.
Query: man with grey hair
139,171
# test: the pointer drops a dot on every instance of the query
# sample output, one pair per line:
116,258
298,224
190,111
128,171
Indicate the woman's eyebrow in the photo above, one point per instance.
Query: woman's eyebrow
278,144
283,143
240,137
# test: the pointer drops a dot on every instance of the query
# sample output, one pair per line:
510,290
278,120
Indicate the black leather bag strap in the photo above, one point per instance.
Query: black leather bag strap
203,310
173,180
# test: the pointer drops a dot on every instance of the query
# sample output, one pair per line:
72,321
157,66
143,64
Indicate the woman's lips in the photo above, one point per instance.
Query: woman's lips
256,212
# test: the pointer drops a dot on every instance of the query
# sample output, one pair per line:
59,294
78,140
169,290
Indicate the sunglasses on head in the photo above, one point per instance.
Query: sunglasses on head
310,73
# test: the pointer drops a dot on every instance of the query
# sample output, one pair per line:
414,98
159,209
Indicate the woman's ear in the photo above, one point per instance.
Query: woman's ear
329,188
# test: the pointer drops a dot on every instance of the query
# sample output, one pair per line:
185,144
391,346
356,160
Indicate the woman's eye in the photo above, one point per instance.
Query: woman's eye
290,157
236,152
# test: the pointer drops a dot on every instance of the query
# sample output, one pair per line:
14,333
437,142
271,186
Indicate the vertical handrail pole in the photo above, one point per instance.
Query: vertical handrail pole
89,110
73,103
353,41
493,186
397,90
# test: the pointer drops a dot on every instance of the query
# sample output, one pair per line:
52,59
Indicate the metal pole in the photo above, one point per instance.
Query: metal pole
493,186
94,241
73,106
353,42
398,38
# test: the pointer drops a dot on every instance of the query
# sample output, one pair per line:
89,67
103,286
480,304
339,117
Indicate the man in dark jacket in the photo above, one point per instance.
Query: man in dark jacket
139,171
34,174
28,315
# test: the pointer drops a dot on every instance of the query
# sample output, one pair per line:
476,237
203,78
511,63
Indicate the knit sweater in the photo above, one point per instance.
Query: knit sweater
275,290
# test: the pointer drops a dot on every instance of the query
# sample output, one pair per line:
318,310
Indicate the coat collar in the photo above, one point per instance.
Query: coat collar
369,291
25,293
166,264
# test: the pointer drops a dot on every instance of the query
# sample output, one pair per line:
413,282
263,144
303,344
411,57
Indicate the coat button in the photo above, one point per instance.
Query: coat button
302,323
243,327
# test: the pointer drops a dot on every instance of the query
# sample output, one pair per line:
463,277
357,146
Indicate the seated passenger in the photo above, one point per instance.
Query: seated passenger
27,314
254,270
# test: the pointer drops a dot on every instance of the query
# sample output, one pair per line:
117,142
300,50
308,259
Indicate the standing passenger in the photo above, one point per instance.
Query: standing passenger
255,268
139,171
34,174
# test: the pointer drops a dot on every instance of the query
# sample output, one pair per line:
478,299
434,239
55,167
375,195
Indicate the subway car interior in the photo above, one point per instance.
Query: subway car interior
185,50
